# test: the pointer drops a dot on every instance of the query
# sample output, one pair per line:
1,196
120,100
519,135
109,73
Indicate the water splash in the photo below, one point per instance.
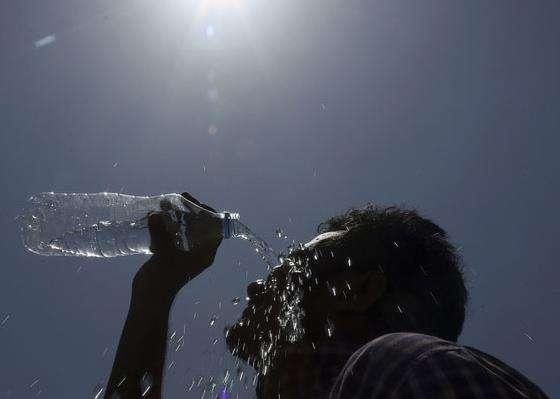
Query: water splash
146,384
45,41
329,328
264,251
98,391
4,321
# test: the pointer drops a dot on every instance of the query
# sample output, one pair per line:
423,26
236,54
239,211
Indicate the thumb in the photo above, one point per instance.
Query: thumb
197,202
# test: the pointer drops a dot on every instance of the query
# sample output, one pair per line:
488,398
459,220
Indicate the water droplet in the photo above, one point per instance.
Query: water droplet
329,327
349,262
213,320
529,337
45,41
212,130
235,300
226,377
396,244
4,321
98,391
434,298
180,343
35,382
115,164
146,384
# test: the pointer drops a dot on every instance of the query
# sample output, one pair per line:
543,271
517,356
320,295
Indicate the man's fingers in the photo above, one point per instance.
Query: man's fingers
159,235
190,198
155,222
197,202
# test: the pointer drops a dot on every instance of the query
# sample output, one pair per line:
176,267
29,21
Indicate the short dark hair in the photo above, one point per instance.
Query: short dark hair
417,258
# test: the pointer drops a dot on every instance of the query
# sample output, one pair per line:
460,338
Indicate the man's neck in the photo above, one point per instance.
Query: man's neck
306,370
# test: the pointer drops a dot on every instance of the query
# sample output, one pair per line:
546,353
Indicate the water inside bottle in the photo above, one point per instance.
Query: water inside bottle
108,225
104,239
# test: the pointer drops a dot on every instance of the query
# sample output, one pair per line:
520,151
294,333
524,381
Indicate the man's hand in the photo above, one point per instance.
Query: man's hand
142,345
171,267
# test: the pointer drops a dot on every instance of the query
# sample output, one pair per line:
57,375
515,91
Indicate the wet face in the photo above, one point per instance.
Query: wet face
272,318
294,305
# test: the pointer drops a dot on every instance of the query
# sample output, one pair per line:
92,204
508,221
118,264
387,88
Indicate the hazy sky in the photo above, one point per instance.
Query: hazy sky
287,112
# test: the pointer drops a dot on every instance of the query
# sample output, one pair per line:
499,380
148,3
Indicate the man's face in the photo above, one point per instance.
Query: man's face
292,304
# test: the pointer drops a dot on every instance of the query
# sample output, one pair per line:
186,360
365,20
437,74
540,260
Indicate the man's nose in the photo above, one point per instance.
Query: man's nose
255,288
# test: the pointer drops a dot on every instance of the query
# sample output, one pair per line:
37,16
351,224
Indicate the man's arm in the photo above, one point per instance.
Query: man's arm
138,367
140,357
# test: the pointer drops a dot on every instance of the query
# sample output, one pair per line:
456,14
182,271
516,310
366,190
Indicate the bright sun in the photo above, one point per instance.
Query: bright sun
207,7
222,3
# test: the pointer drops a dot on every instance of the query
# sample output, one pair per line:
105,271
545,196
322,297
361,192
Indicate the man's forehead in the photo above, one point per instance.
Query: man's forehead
307,250
322,237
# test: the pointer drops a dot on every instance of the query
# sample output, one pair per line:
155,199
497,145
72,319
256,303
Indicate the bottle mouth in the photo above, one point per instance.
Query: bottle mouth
229,215
229,223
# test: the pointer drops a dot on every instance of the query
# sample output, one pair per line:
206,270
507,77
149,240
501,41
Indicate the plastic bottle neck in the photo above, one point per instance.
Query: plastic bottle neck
229,223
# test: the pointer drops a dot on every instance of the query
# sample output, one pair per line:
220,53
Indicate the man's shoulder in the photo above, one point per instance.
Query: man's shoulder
411,364
403,347
380,364
406,340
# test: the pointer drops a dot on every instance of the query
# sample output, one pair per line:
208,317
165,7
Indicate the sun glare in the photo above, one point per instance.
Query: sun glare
207,6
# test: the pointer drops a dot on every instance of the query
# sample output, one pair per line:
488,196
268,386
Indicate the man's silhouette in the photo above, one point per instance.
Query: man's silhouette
370,308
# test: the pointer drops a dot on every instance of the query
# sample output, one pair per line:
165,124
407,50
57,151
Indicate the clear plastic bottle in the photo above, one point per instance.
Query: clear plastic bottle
105,224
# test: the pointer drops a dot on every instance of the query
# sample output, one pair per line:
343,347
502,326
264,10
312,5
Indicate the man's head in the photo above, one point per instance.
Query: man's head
371,271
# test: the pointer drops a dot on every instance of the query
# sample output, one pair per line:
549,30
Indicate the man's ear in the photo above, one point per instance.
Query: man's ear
368,288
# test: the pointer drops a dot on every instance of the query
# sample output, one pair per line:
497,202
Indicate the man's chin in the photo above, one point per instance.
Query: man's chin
240,342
